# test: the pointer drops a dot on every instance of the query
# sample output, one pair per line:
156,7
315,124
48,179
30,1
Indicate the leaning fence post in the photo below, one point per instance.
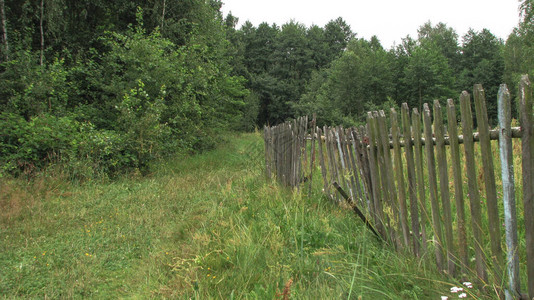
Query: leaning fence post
508,189
527,147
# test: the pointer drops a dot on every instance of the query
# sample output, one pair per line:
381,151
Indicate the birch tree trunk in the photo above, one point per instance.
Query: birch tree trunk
42,32
4,29
163,16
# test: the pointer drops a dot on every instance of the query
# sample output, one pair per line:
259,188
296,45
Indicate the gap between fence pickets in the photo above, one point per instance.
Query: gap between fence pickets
494,135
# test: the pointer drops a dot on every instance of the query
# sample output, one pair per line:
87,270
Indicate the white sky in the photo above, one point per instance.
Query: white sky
390,20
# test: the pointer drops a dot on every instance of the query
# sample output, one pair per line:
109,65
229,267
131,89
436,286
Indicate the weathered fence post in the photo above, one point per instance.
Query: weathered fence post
489,180
474,199
395,135
433,186
313,151
458,188
444,186
508,189
408,151
416,129
527,147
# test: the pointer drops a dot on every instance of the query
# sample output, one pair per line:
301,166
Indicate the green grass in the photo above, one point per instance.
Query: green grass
206,226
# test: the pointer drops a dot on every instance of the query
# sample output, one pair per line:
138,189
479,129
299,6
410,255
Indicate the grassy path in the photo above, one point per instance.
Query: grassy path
208,226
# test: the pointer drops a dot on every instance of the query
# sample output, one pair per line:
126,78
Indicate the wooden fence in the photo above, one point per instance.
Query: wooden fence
404,180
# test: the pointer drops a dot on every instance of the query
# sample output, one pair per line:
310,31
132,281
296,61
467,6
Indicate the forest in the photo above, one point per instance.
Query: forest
99,88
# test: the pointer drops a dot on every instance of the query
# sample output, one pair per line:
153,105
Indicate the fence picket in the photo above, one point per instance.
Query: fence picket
458,187
474,199
416,128
410,167
387,178
508,188
444,186
322,161
494,221
527,147
433,187
375,176
400,178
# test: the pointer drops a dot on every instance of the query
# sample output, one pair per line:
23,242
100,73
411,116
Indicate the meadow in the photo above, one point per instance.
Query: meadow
209,226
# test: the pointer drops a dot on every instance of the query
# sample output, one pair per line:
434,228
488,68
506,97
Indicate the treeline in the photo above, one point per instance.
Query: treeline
294,70
104,87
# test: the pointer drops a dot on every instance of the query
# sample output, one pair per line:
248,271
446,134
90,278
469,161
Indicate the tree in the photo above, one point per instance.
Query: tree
446,40
482,62
427,76
337,35
358,81
3,22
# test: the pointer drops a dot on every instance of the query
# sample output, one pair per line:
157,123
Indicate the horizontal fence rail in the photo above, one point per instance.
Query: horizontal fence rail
440,198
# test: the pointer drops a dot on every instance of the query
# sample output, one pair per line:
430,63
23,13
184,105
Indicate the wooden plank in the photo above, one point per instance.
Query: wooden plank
494,135
420,177
313,150
331,158
361,141
322,162
441,156
527,147
375,175
433,187
458,186
338,133
266,150
508,189
389,176
494,221
399,174
355,169
474,198
412,185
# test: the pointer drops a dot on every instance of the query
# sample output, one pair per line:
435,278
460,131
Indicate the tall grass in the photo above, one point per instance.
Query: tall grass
206,226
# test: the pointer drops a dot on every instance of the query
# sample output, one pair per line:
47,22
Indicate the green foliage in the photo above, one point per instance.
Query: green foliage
483,62
427,76
139,119
29,89
357,81
126,95
278,62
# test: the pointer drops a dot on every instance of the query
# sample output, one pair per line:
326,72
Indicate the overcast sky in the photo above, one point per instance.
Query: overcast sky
390,20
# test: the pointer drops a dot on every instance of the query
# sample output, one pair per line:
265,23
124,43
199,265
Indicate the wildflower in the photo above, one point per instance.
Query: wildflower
468,284
444,298
214,277
456,289
462,295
